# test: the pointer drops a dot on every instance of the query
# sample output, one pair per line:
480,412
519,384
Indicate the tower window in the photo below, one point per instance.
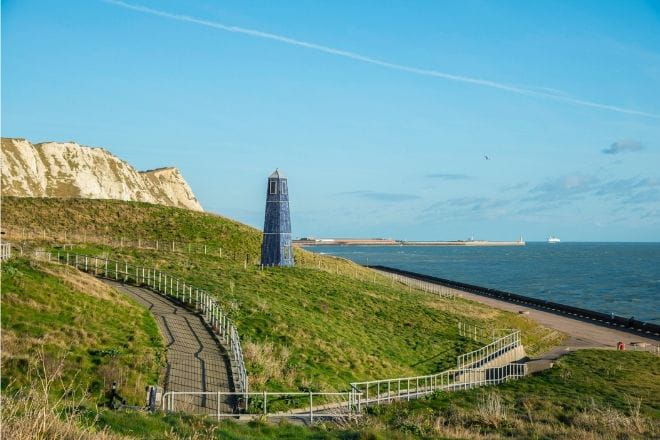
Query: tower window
272,187
283,187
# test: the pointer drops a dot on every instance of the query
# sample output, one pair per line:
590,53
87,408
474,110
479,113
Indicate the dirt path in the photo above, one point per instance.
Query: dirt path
195,359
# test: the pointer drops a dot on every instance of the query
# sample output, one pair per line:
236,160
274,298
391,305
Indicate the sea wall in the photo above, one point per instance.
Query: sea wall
621,322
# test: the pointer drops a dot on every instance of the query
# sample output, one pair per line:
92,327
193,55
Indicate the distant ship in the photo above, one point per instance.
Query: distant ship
552,239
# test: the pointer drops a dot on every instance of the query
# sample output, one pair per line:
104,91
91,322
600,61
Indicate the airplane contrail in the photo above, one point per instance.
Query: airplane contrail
366,59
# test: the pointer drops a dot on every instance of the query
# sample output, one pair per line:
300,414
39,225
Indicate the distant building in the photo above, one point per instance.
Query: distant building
276,248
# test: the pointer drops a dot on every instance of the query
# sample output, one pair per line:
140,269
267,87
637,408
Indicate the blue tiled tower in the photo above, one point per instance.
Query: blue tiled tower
276,248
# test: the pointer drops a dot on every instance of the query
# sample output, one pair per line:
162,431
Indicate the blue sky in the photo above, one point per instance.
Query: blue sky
380,113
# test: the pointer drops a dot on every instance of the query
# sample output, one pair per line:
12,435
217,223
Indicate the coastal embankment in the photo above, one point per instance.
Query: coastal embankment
392,242
586,328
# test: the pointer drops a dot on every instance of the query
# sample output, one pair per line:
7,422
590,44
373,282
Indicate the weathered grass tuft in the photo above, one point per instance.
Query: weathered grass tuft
268,362
491,410
32,414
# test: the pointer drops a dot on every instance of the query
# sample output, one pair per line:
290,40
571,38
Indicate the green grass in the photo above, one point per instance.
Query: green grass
159,426
130,220
301,328
588,394
590,390
55,318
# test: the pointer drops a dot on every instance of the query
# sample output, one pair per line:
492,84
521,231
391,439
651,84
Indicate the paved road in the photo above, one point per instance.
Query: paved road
195,359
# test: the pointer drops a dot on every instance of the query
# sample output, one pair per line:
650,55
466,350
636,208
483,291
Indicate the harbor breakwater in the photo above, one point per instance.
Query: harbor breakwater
612,320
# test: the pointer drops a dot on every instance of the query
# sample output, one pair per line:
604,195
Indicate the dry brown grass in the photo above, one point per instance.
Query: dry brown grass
493,418
31,413
267,362
492,411
82,282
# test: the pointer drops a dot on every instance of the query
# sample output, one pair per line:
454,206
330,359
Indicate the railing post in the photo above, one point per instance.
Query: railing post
311,408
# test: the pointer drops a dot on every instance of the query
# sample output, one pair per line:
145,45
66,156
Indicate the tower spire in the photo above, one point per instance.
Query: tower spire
276,247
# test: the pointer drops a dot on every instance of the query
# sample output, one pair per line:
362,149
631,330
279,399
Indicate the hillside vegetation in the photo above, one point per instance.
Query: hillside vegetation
59,322
587,395
302,328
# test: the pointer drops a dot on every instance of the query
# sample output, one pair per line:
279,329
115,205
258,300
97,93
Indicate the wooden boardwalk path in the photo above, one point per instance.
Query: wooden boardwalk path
195,359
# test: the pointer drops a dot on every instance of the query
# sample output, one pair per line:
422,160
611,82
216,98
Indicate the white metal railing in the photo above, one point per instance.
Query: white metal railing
94,237
649,348
471,372
425,286
499,347
481,334
5,251
168,285
407,388
307,404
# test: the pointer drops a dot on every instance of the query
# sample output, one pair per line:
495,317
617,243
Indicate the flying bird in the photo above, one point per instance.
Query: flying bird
486,157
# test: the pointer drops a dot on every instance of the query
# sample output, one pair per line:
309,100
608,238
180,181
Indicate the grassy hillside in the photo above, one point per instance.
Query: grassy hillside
591,394
301,327
130,220
587,395
60,323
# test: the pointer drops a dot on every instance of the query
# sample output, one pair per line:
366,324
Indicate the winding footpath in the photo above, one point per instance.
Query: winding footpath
195,359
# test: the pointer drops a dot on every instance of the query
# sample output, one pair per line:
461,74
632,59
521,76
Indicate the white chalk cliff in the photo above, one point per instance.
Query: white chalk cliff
67,169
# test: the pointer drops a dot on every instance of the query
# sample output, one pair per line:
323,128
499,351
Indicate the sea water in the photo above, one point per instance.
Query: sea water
620,278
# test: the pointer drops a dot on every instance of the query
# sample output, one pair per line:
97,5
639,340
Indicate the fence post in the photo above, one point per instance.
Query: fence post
264,403
218,406
311,408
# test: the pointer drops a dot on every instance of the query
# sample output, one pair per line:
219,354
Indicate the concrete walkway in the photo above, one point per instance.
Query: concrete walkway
195,359
583,333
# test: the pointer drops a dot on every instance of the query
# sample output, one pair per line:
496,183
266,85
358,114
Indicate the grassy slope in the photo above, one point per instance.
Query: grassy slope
279,310
301,327
588,394
604,392
55,317
131,220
